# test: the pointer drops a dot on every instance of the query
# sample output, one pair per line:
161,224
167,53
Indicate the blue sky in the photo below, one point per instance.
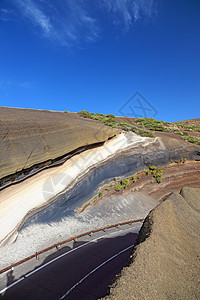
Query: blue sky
131,57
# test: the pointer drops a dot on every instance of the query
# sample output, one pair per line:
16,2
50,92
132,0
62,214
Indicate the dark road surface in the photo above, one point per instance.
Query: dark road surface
54,280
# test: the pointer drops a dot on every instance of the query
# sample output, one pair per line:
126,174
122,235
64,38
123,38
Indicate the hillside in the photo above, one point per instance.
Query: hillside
62,174
30,137
165,262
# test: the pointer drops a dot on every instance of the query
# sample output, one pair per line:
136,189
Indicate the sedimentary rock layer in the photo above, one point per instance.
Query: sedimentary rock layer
122,164
29,137
165,263
175,176
78,177
35,192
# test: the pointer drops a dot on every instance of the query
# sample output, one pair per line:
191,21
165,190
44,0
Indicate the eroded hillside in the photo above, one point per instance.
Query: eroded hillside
165,262
37,138
65,173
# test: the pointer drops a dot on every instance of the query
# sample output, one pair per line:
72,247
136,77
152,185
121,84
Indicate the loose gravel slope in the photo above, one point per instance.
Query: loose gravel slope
165,264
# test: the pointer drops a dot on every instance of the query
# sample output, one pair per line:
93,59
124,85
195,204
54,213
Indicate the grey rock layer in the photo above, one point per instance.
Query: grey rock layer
121,165
166,262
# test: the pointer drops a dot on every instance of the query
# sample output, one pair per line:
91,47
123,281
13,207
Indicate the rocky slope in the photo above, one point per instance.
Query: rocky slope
165,263
63,187
35,140
53,164
29,137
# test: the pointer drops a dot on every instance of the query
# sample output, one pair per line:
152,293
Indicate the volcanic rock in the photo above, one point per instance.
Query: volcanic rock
29,136
165,263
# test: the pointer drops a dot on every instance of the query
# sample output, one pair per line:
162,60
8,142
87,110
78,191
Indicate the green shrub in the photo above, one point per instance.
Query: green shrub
110,120
152,167
110,116
146,133
85,114
192,139
156,172
100,194
178,132
159,179
125,183
133,178
185,133
118,188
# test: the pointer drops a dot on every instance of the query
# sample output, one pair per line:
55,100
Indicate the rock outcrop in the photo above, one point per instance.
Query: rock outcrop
51,163
165,263
65,182
29,137
49,135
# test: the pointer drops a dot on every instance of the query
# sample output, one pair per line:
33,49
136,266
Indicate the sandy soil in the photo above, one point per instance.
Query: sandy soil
165,263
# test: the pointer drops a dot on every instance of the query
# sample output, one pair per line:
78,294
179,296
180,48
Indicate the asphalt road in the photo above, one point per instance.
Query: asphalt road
88,262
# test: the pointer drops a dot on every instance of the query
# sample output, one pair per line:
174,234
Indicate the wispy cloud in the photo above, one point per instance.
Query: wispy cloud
65,21
71,21
127,12
33,12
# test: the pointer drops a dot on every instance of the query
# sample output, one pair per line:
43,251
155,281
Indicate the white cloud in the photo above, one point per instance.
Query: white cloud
33,12
71,21
63,21
127,11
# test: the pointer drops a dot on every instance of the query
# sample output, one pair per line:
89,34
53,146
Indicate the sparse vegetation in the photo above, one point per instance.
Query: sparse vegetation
159,179
192,127
178,132
156,172
192,139
133,178
152,124
119,185
145,126
110,120
124,183
152,167
118,188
